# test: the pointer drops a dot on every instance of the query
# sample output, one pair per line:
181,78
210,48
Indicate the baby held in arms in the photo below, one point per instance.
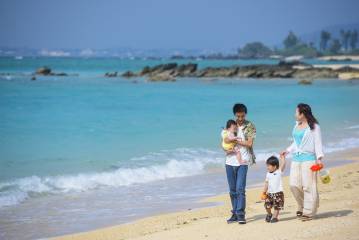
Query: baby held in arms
230,139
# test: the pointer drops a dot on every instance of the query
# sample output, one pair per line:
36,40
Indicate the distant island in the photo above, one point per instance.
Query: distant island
344,42
289,65
294,47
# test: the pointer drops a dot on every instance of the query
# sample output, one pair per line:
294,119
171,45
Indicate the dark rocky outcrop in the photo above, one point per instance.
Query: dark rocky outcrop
294,69
162,77
315,73
145,71
305,82
186,70
60,74
111,74
46,71
168,71
128,74
218,72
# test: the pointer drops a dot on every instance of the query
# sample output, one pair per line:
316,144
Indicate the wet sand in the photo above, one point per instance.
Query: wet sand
338,215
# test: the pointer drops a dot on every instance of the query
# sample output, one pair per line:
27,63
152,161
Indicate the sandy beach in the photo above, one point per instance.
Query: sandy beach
114,118
337,217
340,58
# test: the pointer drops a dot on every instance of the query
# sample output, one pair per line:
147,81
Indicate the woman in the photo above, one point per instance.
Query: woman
307,150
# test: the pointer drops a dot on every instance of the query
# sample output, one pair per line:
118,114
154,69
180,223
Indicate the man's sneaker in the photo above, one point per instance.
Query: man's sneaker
232,219
241,220
268,217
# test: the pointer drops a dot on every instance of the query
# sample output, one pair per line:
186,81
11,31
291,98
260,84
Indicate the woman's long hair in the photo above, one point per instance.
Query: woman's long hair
307,111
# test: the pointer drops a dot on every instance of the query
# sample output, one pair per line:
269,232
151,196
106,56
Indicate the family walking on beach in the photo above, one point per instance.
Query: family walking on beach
237,141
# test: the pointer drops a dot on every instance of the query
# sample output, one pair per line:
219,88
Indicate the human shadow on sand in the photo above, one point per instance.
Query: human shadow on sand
340,213
263,216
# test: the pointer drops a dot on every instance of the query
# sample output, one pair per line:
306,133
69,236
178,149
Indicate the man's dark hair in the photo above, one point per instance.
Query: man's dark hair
273,161
239,107
230,122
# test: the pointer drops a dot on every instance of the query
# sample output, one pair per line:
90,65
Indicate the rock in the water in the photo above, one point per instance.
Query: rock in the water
165,67
246,73
43,71
294,69
185,70
305,82
128,74
46,71
162,68
218,72
111,74
283,73
315,73
33,78
162,77
145,71
61,74
168,71
257,71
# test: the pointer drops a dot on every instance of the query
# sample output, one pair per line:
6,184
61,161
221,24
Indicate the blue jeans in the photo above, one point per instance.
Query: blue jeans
237,177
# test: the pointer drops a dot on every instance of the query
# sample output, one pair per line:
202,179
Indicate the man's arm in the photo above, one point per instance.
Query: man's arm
248,143
251,134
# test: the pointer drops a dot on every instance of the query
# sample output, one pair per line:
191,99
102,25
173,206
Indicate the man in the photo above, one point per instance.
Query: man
237,172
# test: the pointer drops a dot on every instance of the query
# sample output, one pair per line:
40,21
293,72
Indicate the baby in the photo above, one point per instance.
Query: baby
273,188
230,140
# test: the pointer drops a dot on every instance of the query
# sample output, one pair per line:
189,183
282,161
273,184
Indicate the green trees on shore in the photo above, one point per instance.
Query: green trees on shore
255,50
335,47
293,45
353,39
346,44
324,39
291,40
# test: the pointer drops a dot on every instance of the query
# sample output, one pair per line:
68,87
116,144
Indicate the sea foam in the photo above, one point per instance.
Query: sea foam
175,163
187,162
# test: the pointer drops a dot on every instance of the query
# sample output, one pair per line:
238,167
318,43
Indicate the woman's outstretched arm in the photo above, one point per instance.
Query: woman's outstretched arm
318,143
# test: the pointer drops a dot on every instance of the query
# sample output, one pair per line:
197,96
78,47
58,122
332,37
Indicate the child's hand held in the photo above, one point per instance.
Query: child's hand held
263,196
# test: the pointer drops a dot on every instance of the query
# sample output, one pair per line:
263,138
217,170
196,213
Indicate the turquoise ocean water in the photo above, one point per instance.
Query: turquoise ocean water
69,140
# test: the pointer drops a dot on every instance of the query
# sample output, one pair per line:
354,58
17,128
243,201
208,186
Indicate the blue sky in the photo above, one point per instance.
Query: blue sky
164,23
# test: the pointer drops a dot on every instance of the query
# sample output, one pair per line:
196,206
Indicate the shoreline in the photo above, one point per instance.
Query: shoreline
168,225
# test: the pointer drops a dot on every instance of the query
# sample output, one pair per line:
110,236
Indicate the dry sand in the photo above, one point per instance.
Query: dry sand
338,216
